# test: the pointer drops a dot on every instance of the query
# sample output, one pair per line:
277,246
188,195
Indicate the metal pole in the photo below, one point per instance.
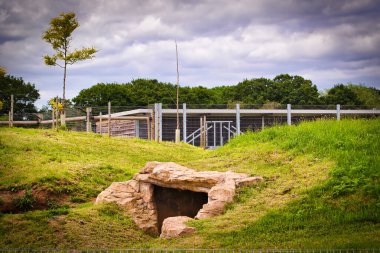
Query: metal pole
177,131
160,121
148,128
109,118
338,112
229,130
237,119
206,135
184,125
11,112
214,134
156,113
100,123
205,131
289,114
201,132
262,122
221,133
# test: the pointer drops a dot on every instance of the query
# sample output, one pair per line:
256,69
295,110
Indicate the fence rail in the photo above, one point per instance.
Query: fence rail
160,122
26,250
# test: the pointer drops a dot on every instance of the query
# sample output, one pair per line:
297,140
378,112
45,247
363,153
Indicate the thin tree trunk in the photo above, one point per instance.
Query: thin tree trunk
64,86
64,79
63,116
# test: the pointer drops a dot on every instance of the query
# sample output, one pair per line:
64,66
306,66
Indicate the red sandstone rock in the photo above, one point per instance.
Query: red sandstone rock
137,195
175,226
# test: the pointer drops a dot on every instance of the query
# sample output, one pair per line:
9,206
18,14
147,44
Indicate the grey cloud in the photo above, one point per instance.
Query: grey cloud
220,42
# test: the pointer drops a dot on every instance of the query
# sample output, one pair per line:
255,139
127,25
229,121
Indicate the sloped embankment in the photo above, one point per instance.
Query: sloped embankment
321,188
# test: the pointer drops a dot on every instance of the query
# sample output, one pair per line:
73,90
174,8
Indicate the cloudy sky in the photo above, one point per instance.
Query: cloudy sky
220,42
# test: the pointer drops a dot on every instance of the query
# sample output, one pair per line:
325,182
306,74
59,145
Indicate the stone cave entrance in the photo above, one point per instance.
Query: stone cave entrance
172,202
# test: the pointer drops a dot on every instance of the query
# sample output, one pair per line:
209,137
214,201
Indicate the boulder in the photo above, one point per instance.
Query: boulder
248,181
175,226
137,195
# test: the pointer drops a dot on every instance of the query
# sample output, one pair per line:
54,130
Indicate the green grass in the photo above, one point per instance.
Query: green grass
321,188
75,163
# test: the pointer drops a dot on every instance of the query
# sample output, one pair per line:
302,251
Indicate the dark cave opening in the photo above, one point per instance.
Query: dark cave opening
172,202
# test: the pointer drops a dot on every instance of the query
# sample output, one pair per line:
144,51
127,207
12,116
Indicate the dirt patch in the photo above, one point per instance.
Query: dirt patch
32,199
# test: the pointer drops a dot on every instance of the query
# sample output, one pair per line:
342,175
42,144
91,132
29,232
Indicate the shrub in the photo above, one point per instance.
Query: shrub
25,202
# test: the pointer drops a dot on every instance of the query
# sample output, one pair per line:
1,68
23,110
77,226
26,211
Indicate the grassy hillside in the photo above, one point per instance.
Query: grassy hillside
321,188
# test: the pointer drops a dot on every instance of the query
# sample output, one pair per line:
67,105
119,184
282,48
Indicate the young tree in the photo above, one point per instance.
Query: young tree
59,36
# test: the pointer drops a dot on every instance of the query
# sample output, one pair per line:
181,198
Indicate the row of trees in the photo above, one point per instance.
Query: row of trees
283,89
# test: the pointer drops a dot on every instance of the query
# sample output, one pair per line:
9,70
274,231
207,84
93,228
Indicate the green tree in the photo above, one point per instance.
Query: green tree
296,90
138,92
222,94
197,95
150,91
25,94
59,36
101,93
343,95
368,96
254,91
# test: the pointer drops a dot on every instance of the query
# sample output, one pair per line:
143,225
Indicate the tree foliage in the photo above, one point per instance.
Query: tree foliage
3,71
59,36
368,96
269,93
25,94
342,94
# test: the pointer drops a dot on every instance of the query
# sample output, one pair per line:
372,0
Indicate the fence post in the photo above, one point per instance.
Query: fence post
205,131
148,126
40,117
52,118
11,112
100,123
156,113
56,112
338,112
289,114
63,117
184,122
109,118
137,128
152,125
262,122
88,119
201,132
160,122
221,133
237,119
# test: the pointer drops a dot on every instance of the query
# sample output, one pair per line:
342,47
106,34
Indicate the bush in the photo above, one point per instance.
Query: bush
25,202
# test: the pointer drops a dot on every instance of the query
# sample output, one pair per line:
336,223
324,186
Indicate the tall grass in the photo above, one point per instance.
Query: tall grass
342,212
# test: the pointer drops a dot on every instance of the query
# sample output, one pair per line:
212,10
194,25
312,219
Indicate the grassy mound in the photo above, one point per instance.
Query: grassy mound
321,188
